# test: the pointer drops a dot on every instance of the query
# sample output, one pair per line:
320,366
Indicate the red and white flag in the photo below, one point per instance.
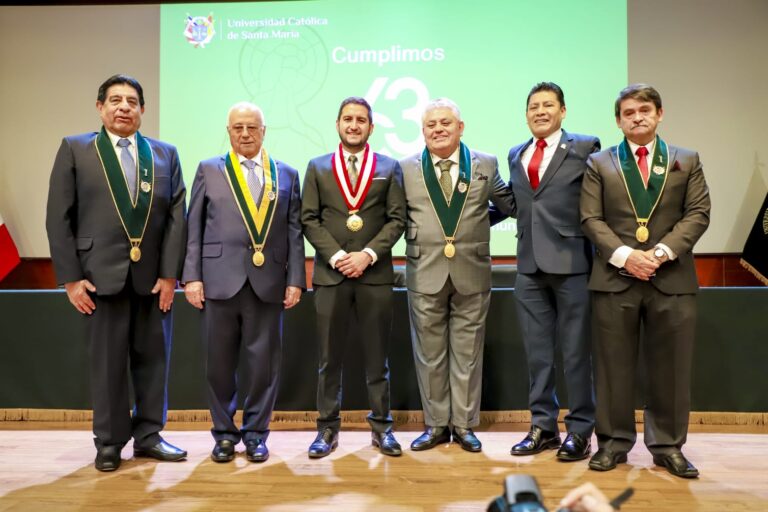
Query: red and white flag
9,256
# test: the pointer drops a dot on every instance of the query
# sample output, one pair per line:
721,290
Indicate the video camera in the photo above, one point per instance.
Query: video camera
521,494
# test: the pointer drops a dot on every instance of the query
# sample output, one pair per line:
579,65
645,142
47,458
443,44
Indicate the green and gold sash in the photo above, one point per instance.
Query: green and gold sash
448,211
644,200
134,215
257,219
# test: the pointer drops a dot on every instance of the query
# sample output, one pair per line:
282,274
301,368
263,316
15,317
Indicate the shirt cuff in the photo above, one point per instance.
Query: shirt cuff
335,258
620,255
372,254
670,253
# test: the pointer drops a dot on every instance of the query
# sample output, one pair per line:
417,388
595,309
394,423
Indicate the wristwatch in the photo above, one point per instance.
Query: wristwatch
660,254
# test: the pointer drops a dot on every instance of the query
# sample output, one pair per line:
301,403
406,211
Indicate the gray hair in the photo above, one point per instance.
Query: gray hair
245,105
442,103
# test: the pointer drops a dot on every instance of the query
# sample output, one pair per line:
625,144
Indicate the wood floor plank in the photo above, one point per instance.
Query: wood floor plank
52,470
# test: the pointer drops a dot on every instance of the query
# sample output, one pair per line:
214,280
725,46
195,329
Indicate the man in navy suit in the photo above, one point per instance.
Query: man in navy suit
353,212
116,228
244,266
553,263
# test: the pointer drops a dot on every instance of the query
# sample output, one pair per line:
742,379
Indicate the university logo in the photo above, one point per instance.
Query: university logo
199,30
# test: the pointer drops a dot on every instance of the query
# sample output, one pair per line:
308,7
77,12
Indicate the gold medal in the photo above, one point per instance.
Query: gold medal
135,253
354,222
258,258
642,234
145,187
449,250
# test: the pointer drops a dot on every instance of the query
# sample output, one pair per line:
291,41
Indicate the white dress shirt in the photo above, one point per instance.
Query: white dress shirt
620,255
338,254
552,142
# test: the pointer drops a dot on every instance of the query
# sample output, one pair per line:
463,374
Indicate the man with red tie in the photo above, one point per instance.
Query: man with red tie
553,262
644,204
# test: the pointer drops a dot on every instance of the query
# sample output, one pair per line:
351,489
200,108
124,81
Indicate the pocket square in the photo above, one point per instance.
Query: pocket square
676,166
481,177
380,178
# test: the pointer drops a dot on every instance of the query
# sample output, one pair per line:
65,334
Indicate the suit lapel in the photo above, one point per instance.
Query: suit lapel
518,163
557,159
672,157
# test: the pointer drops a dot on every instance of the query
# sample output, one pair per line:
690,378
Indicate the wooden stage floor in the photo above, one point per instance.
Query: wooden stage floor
49,467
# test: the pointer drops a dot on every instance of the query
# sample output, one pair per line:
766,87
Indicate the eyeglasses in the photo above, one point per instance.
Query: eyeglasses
251,128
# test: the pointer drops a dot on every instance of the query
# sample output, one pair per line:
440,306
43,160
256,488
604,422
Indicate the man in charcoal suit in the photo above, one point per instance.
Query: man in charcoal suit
353,212
116,229
644,204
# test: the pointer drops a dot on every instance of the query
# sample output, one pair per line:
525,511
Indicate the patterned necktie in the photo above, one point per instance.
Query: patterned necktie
642,163
352,171
535,163
445,178
129,165
253,181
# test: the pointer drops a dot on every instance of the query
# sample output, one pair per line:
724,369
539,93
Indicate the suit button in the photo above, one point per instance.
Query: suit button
250,247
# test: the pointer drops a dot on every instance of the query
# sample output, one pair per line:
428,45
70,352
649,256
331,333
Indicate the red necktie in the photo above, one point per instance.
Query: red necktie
642,163
533,165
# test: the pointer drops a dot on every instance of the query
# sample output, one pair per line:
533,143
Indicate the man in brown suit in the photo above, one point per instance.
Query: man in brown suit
644,205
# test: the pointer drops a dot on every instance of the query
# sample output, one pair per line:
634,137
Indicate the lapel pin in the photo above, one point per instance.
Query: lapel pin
562,146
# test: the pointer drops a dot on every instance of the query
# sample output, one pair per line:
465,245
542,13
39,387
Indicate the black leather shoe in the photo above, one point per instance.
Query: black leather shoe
326,441
536,441
108,457
575,447
467,439
431,437
161,451
677,464
386,443
606,460
256,450
223,451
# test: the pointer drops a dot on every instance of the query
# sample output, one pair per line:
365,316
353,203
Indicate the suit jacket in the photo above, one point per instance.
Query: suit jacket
219,248
324,216
427,268
85,234
680,218
548,224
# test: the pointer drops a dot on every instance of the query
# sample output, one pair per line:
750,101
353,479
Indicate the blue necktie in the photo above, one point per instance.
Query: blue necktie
254,183
129,165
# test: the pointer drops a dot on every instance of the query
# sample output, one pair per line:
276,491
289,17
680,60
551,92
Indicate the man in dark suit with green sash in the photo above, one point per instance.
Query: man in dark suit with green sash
116,229
644,205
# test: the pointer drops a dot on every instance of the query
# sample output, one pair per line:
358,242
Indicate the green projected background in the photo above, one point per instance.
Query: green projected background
298,60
